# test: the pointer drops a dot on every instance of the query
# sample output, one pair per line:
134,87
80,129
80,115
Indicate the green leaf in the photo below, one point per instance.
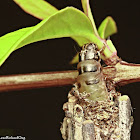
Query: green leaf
87,11
38,8
107,27
75,59
68,22
8,41
42,9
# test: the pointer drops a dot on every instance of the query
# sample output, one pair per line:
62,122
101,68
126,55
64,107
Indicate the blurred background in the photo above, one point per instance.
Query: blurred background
37,114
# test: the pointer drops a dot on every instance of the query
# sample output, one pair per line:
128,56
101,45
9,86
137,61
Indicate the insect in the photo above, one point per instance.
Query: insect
90,79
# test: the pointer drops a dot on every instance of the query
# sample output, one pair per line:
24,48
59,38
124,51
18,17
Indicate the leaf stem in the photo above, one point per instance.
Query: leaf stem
87,11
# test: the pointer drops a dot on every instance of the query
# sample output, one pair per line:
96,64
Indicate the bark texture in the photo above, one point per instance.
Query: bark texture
102,120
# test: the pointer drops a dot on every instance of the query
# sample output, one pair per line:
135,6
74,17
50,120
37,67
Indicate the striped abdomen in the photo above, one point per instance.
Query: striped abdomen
90,79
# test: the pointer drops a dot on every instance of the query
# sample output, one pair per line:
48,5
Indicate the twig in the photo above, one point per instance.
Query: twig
122,73
37,80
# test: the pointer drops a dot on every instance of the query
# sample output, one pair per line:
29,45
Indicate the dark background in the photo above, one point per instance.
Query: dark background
36,114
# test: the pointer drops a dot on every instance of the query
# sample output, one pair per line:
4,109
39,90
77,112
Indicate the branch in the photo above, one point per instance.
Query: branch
37,80
122,73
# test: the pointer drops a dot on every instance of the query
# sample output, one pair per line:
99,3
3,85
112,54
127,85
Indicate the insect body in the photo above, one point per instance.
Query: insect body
90,79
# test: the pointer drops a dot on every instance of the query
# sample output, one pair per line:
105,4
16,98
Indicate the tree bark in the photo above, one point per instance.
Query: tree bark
102,120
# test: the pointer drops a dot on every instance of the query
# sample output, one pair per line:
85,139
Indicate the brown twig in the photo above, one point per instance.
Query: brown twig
37,80
122,73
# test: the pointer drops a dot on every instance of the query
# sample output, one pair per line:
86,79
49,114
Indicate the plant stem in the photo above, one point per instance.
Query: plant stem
121,74
37,80
87,11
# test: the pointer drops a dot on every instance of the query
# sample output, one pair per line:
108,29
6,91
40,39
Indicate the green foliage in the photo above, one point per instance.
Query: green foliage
8,43
38,8
68,21
107,28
